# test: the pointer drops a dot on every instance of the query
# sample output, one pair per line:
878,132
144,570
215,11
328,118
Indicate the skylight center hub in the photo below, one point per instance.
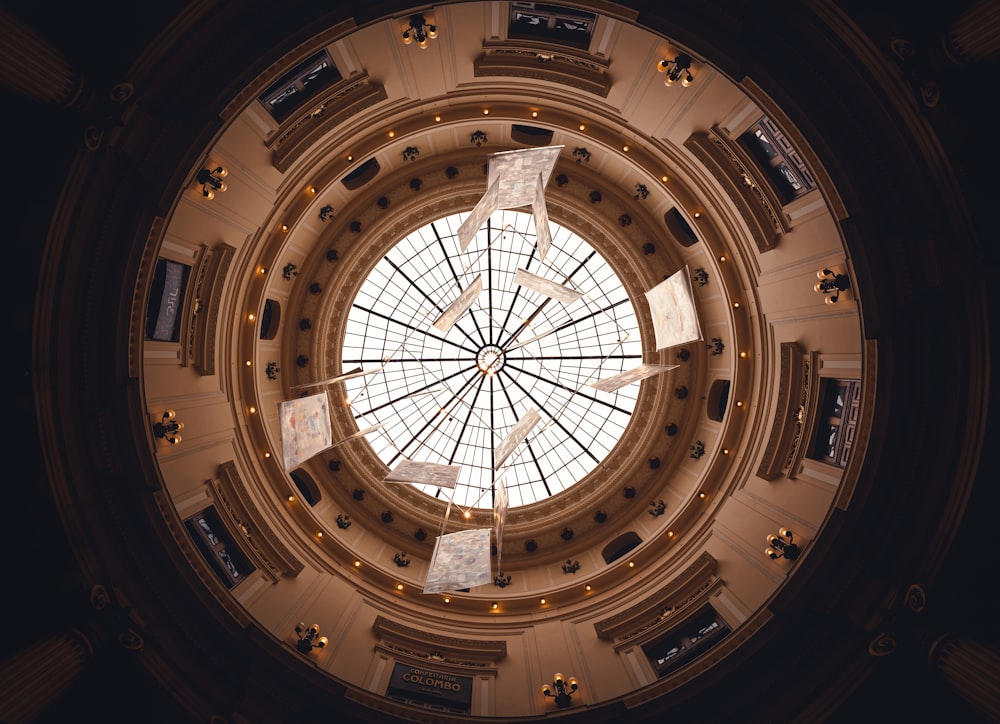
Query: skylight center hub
490,360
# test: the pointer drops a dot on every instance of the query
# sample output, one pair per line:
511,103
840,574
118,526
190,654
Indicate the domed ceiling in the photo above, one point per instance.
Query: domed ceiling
303,250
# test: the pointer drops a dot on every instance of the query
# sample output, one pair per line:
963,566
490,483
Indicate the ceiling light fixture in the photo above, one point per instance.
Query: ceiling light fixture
678,69
168,427
211,181
781,546
564,690
420,31
831,284
308,638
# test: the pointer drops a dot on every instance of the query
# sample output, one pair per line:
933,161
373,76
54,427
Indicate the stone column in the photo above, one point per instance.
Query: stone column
35,676
975,36
33,68
972,670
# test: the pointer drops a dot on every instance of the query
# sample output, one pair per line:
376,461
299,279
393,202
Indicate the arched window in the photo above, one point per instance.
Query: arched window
679,228
361,175
306,485
718,398
531,135
620,546
270,319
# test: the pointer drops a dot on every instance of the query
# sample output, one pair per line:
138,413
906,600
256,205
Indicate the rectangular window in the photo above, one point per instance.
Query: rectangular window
166,299
216,545
838,418
553,23
778,159
300,85
690,641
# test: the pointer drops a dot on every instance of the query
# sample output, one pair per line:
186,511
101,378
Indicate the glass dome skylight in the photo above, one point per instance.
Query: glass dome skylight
450,397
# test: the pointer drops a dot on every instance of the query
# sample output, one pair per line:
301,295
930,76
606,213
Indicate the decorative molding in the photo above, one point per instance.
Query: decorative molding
788,412
676,594
196,561
746,188
144,276
577,70
477,653
344,102
210,278
249,530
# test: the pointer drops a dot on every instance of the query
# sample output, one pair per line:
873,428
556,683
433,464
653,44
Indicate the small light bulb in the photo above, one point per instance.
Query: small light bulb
447,599
399,586
486,111
357,564
437,119
251,317
587,588
541,601
534,114
319,534
631,564
625,148
583,127
252,409
267,455
392,134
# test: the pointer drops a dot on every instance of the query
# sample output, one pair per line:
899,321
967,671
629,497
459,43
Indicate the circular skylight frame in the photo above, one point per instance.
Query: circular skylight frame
450,397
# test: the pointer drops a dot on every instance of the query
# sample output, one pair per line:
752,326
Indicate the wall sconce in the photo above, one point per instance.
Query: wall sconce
478,138
678,69
308,638
564,690
831,285
781,546
211,181
419,30
168,427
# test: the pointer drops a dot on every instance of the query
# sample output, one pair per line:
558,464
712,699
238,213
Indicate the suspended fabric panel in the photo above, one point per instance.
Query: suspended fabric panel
356,435
420,473
305,428
636,374
671,305
500,505
356,372
546,287
460,306
514,179
514,438
460,560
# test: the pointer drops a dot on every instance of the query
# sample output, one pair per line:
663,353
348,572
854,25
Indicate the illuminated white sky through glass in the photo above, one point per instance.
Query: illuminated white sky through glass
451,397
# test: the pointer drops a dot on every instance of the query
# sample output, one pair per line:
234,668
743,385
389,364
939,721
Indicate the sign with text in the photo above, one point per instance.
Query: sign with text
435,687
